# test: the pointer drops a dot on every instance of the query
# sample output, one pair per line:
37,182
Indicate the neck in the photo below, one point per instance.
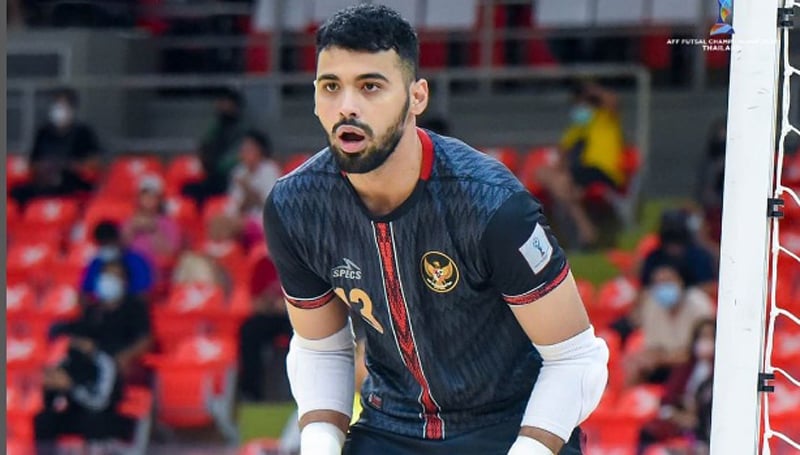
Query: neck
386,188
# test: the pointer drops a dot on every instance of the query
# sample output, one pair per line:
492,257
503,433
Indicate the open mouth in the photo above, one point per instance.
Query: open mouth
352,139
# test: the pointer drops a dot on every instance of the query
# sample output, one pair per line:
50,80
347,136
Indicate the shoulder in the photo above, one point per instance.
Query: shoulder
474,171
699,300
312,177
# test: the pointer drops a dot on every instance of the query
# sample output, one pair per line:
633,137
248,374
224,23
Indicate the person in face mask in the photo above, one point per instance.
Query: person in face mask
65,156
668,312
679,244
219,147
591,153
111,248
67,138
685,408
105,344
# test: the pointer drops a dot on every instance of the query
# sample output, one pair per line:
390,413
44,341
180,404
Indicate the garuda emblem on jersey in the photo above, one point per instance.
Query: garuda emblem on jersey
439,272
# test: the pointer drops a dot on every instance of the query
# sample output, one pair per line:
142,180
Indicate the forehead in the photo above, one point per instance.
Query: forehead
345,63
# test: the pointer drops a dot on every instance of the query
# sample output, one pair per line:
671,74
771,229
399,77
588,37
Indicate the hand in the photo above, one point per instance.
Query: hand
57,379
83,344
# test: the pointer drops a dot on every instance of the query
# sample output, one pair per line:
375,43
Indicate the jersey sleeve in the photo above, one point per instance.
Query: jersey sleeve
523,255
302,287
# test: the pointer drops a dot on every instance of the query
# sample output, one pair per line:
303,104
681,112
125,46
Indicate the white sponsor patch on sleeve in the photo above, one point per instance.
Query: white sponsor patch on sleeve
537,250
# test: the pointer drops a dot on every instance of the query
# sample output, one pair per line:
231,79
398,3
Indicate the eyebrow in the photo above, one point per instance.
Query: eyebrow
360,77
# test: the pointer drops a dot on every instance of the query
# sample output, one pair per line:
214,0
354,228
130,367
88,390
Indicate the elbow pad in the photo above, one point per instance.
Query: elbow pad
571,382
321,372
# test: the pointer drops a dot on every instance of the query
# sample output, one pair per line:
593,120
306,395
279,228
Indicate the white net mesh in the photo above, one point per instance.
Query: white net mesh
781,418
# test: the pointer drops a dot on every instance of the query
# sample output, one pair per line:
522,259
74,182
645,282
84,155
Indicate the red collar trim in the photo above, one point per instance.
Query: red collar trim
427,155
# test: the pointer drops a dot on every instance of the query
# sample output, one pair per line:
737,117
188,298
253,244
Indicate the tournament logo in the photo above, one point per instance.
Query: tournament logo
724,25
439,272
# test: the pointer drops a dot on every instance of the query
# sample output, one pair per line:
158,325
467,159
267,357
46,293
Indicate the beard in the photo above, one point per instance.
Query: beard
373,156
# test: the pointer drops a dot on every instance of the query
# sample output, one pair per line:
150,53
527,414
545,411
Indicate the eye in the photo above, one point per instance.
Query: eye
330,87
371,87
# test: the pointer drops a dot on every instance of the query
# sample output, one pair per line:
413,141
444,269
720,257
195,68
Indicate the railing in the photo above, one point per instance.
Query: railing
272,84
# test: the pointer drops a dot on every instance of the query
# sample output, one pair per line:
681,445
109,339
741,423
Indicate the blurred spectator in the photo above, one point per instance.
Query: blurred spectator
591,153
262,329
678,243
219,148
111,248
65,154
712,179
668,311
81,394
66,139
150,231
194,267
253,179
686,406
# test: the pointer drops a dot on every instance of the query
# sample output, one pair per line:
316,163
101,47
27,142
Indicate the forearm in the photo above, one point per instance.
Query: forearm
321,376
137,349
570,384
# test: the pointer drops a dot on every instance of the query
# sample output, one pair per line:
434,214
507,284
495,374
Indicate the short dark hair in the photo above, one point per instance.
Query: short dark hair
371,28
106,232
262,140
67,93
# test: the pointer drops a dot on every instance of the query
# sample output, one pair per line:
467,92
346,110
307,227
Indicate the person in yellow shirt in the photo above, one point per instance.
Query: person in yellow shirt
591,152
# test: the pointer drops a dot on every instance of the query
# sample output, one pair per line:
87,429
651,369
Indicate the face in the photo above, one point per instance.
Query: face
364,102
61,112
249,153
149,200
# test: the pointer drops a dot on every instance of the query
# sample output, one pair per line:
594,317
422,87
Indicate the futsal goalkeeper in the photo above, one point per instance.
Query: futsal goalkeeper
477,341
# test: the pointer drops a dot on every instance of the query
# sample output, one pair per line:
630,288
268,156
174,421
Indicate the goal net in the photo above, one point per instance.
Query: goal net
757,371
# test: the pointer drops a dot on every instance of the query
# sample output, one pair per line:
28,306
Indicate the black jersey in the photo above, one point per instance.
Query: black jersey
433,280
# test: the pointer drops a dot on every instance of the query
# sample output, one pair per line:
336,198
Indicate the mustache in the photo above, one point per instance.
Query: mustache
352,122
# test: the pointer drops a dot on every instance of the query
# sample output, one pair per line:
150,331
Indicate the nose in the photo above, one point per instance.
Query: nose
350,106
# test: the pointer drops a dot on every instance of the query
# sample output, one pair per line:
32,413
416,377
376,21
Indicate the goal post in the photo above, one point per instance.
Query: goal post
751,129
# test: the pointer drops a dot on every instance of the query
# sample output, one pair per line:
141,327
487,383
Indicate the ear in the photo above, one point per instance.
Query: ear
419,97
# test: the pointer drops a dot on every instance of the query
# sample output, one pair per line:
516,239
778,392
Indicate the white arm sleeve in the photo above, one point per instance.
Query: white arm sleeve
570,384
321,372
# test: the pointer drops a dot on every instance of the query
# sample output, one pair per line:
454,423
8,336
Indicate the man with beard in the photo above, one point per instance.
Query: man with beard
477,340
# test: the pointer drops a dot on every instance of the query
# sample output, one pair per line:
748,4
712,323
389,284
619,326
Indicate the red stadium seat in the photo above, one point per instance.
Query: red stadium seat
181,170
25,357
214,207
13,217
124,174
184,211
535,159
69,269
20,301
105,208
17,170
60,303
51,212
195,384
22,405
613,300
191,309
31,263
137,404
506,155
